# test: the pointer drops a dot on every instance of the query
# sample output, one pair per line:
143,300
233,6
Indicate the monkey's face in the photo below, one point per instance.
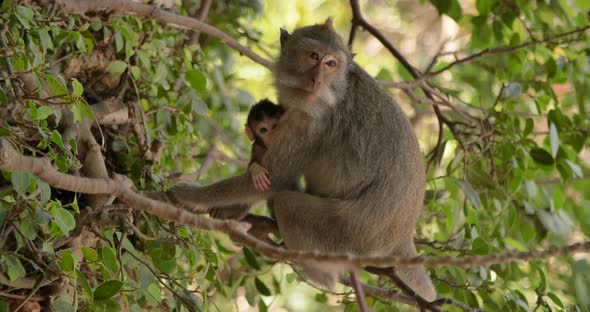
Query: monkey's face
311,70
264,130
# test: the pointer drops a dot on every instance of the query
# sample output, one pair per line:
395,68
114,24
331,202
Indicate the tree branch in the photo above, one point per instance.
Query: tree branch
10,160
507,49
132,8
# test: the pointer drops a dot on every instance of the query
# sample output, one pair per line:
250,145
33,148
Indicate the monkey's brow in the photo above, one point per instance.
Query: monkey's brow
337,54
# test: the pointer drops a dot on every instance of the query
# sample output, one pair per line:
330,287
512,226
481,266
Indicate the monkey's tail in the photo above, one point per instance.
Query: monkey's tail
417,278
322,275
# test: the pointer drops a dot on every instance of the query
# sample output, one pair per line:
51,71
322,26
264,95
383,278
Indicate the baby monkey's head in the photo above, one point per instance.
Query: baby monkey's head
262,121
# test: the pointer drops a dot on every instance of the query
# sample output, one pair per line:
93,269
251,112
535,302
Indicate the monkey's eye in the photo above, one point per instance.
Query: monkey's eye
331,63
314,56
263,130
274,126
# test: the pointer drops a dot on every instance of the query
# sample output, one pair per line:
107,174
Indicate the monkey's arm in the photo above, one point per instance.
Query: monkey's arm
234,190
284,160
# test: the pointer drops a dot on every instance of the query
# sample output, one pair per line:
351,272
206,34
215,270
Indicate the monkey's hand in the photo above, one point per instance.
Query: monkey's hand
259,177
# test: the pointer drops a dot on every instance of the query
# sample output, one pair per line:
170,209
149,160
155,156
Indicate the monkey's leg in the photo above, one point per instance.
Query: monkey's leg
312,223
358,290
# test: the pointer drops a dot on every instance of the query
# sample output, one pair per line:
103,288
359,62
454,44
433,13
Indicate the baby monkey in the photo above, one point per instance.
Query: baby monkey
260,125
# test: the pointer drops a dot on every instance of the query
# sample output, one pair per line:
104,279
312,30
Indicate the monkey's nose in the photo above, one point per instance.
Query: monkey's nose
315,83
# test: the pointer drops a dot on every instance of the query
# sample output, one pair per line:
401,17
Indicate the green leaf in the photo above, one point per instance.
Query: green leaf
25,16
43,112
515,244
135,72
21,181
542,281
582,291
262,289
442,5
321,298
108,305
12,267
55,137
555,299
551,68
384,74
56,86
154,291
251,259
455,12
64,219
81,111
528,129
63,306
25,12
117,67
109,259
90,254
107,290
262,307
68,261
480,247
541,156
45,39
197,80
484,6
84,283
119,43
471,194
77,86
28,226
4,306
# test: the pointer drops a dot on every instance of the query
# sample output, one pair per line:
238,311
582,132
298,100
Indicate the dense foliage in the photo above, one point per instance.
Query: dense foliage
510,171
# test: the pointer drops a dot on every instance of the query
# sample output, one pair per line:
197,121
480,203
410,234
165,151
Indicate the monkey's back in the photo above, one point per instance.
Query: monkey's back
371,157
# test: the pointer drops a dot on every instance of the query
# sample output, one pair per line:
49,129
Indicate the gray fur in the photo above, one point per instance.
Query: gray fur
360,158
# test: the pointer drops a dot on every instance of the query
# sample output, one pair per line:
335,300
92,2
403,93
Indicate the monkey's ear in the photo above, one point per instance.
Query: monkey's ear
285,36
327,25
249,132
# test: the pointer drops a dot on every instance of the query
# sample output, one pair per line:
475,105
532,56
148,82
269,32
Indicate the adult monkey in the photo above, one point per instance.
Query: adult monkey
354,146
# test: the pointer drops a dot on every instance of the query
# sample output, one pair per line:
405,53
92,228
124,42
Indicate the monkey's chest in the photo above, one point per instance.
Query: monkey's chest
331,175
